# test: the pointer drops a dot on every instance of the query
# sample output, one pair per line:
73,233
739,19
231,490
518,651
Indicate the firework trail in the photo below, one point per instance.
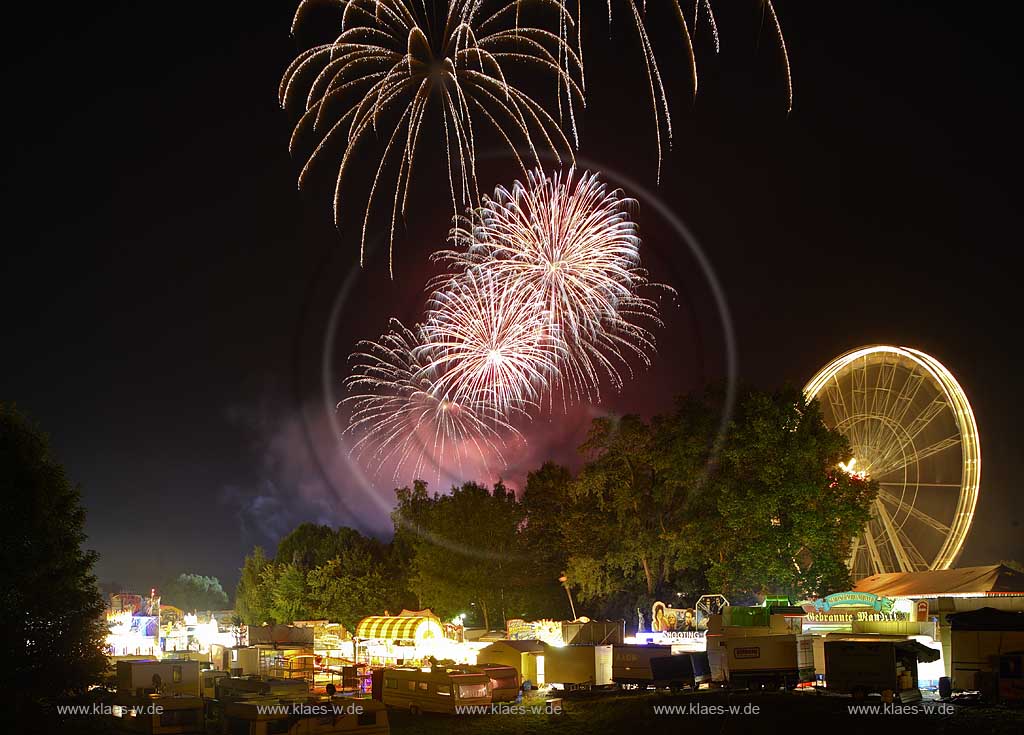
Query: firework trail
573,242
688,27
396,61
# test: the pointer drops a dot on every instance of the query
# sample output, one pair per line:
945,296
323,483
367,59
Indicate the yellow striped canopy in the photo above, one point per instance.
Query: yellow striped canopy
398,628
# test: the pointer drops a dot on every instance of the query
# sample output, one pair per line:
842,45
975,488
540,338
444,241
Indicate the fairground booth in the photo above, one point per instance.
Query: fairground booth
410,638
944,597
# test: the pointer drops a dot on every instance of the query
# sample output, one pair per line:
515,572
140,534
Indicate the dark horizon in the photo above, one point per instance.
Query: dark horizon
169,294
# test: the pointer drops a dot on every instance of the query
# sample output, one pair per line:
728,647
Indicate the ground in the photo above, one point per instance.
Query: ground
637,714
718,712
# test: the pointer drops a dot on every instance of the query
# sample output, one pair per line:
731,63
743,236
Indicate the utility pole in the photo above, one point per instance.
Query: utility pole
564,579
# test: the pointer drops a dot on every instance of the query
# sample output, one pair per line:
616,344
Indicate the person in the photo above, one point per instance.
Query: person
659,624
689,623
331,690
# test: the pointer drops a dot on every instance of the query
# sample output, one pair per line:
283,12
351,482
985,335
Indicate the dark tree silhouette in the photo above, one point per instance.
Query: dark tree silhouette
50,605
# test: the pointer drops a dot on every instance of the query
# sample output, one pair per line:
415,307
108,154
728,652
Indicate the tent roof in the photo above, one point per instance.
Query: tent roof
390,627
424,613
964,581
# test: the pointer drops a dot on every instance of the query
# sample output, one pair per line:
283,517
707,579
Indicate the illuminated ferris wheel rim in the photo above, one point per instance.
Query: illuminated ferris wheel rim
966,425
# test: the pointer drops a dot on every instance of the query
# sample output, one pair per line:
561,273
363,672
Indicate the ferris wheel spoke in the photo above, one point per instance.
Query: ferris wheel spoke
854,549
876,558
905,398
914,428
859,400
916,557
835,400
882,394
914,512
916,456
892,536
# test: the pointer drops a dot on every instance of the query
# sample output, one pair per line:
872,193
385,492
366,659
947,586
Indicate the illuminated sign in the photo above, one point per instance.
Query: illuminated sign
881,605
548,631
859,616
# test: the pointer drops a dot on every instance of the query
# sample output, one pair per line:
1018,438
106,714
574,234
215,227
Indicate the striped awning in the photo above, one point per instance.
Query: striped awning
396,627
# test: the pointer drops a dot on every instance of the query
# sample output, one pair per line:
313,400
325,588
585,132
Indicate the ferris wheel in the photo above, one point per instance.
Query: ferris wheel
911,428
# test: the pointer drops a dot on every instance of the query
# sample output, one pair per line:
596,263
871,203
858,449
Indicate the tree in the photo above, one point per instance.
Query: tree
678,505
193,592
545,498
465,547
346,594
777,512
252,598
50,605
623,509
310,545
290,598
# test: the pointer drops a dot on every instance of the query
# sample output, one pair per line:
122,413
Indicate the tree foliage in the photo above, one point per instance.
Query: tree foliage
320,573
467,550
778,511
253,598
681,502
50,606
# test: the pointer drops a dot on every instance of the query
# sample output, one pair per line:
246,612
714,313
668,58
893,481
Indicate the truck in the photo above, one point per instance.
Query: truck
887,667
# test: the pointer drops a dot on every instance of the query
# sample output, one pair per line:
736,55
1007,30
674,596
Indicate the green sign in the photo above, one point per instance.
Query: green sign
849,599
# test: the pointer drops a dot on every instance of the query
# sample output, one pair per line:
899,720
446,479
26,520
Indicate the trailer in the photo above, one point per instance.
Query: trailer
769,661
684,671
631,665
886,667
659,666
572,667
169,676
437,689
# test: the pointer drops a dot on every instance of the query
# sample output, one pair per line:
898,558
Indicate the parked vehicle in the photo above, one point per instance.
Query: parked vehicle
504,680
769,661
434,690
570,667
155,714
684,671
659,666
631,665
886,667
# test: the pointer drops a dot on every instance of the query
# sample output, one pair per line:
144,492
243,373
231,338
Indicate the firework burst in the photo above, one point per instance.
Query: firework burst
571,240
541,296
493,346
395,61
404,417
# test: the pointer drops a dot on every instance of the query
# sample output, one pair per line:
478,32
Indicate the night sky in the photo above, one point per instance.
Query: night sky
177,315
